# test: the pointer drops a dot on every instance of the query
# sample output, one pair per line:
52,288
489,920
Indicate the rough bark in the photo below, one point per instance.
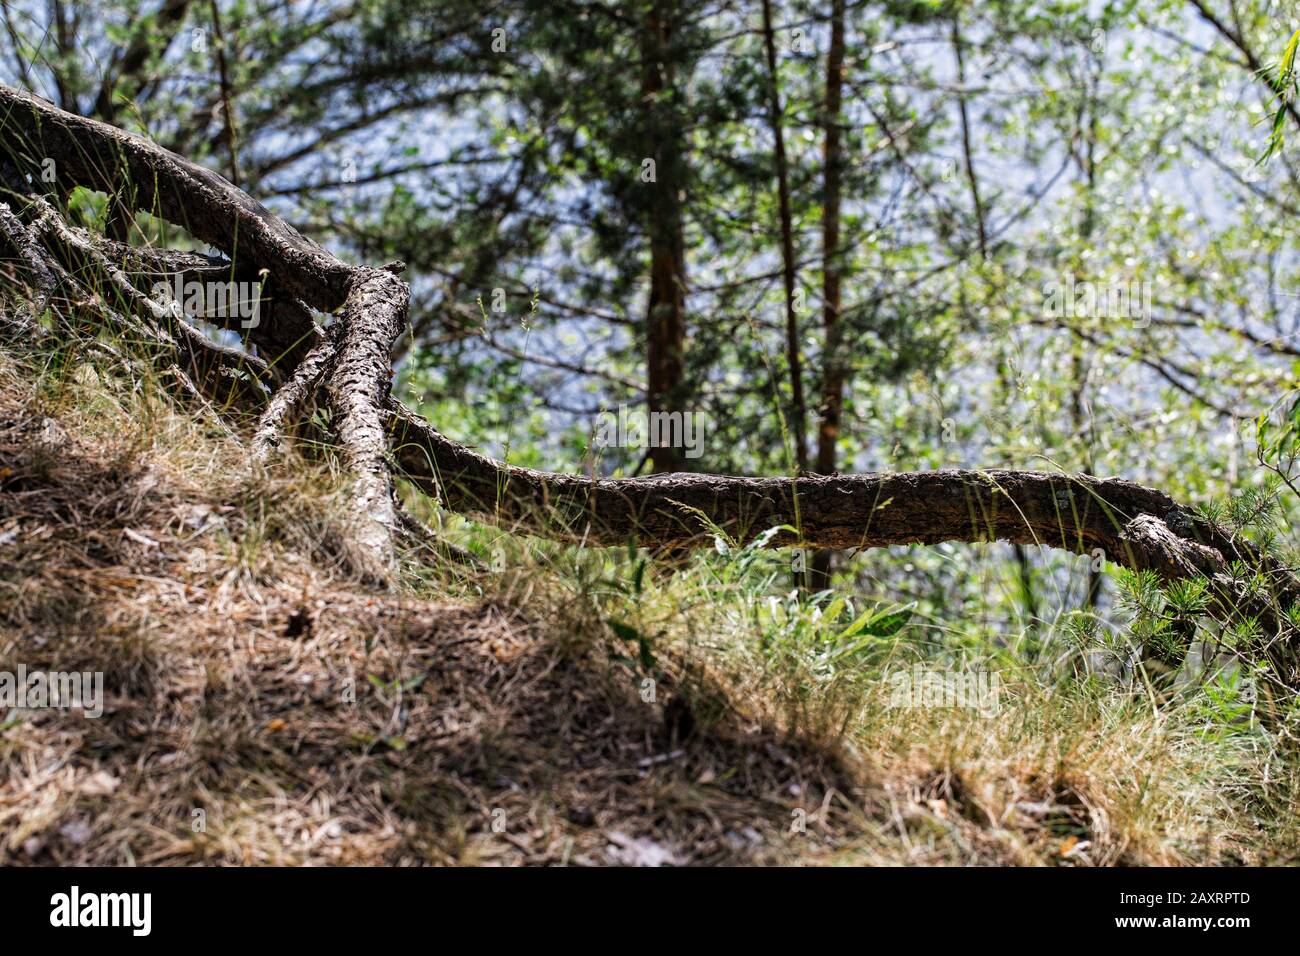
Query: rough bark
89,153
19,239
286,330
373,316
666,306
1074,512
289,397
1134,526
231,377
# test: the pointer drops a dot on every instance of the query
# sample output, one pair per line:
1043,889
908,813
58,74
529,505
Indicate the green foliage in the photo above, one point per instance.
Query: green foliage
1227,704
1282,76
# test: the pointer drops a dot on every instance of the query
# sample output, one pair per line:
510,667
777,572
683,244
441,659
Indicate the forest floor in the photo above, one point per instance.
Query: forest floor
261,706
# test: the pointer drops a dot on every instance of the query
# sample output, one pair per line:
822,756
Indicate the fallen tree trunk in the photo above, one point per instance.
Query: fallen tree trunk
1134,526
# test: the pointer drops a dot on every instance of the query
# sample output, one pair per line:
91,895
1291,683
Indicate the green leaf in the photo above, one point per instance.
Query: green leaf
871,626
878,623
646,652
625,631
833,609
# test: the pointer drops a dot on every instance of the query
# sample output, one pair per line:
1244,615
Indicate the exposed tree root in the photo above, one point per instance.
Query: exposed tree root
29,252
373,302
294,392
348,368
372,318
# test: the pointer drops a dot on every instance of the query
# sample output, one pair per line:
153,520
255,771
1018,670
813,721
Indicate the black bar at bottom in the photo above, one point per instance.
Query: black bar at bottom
734,906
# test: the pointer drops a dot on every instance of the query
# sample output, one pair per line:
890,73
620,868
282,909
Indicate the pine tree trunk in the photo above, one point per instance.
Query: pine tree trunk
798,412
666,308
832,405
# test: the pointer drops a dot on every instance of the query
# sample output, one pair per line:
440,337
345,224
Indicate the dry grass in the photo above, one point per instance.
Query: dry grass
263,707
1059,772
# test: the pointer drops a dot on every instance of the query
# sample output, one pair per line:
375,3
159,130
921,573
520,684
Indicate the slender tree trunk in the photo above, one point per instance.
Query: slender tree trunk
66,41
1024,566
832,399
1082,426
666,309
228,128
798,414
967,156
